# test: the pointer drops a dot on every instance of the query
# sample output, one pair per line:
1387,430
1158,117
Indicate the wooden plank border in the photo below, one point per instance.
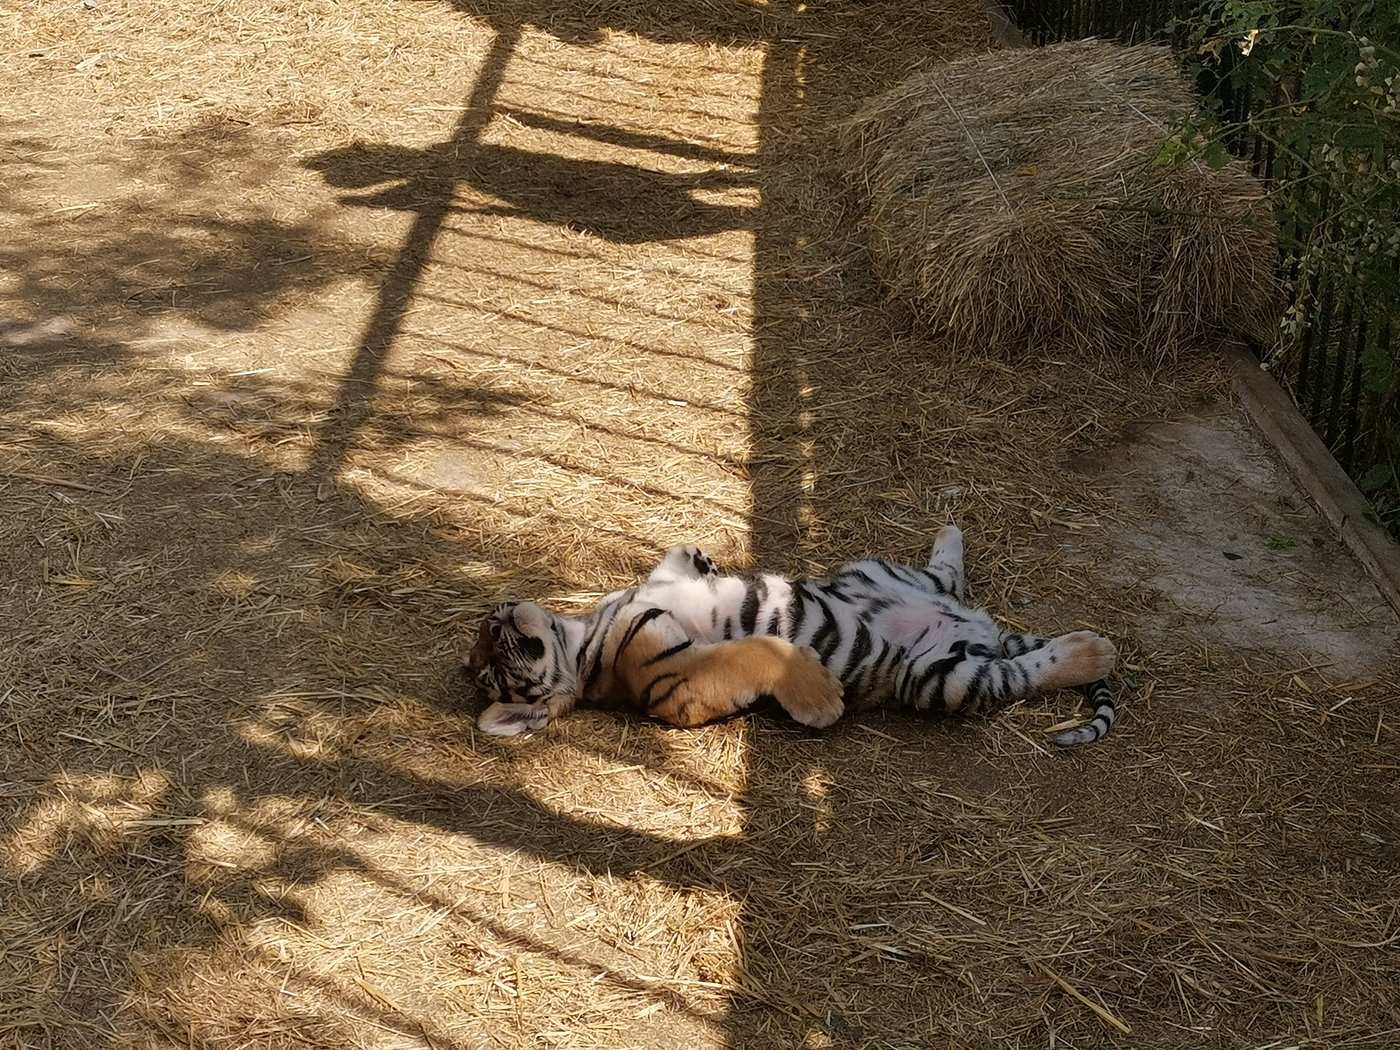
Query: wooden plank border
1313,466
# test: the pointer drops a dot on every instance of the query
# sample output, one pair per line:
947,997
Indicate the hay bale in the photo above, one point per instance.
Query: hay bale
1019,198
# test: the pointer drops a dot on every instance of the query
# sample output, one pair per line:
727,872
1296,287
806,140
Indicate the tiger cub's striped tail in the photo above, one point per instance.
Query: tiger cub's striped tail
1099,696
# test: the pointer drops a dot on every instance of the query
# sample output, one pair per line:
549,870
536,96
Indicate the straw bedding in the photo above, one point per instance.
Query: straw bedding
1018,199
242,802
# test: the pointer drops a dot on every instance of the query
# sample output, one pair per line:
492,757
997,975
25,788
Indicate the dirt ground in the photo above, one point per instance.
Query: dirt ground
324,326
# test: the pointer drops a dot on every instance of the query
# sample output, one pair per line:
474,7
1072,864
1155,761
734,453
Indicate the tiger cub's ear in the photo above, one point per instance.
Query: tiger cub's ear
484,651
513,719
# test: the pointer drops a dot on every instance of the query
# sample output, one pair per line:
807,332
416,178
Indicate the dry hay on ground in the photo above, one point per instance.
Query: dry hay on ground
250,522
1018,198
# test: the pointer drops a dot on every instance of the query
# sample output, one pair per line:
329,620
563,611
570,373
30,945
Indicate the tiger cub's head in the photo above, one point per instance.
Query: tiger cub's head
520,661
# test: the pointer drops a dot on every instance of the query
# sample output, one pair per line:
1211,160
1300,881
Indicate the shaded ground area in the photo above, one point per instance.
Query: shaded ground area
380,313
1231,551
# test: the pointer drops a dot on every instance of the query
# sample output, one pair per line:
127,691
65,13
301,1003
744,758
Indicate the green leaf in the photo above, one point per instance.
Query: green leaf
1377,478
835,1023
1215,156
1376,369
1319,80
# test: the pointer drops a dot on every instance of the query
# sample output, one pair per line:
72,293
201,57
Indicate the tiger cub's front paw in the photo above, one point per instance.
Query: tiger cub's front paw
808,691
513,719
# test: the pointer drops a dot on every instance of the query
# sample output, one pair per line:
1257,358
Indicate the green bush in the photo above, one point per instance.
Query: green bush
1320,84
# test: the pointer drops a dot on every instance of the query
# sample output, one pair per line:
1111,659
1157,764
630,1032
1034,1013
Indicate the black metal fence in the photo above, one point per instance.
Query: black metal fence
1130,21
1336,323
1335,327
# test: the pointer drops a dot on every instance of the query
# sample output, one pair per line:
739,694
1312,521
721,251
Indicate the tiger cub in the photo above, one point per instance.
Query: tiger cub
537,666
690,645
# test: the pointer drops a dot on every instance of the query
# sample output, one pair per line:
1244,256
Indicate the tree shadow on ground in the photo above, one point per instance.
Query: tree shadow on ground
150,231
618,202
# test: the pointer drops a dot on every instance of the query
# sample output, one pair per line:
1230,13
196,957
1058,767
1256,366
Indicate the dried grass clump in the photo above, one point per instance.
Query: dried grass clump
1019,198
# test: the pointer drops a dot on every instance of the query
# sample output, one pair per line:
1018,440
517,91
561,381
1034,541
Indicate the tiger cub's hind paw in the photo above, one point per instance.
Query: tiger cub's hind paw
807,691
684,561
1080,658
